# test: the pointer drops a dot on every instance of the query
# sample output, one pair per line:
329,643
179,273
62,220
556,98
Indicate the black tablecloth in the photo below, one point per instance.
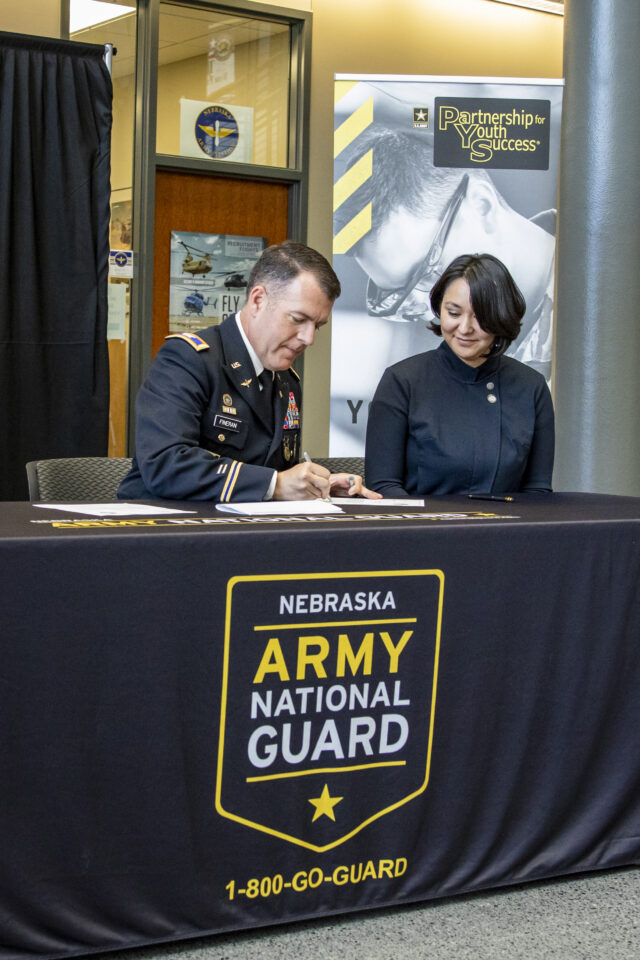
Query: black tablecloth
210,723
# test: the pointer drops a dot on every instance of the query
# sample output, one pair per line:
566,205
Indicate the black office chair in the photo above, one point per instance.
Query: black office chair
342,464
84,479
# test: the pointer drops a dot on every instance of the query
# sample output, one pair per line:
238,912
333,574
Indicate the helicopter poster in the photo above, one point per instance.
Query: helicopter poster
209,274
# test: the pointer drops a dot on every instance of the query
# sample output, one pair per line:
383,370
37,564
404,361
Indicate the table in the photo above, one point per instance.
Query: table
211,723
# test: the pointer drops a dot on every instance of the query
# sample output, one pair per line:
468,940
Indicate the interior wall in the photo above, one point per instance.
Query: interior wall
34,17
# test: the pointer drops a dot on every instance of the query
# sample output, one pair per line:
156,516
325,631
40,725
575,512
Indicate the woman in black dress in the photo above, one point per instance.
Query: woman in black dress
464,418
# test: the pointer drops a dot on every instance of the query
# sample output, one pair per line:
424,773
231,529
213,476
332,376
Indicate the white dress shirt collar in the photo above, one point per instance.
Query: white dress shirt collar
258,366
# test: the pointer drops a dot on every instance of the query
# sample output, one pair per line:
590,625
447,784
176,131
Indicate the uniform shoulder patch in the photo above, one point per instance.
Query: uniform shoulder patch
191,338
296,375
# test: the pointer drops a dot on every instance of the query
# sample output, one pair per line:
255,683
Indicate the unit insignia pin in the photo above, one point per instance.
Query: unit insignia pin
226,398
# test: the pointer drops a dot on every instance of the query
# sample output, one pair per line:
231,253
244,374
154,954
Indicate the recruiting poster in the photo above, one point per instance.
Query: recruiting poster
427,169
209,274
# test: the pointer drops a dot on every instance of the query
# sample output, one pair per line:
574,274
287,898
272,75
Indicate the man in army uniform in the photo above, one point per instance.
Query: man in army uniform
218,416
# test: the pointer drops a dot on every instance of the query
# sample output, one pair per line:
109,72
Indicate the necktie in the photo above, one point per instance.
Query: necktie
266,394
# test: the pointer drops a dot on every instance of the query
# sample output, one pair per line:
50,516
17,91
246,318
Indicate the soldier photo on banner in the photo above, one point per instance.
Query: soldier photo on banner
209,274
427,169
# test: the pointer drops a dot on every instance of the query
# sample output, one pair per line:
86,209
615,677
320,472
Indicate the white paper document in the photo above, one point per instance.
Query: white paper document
280,508
379,504
111,509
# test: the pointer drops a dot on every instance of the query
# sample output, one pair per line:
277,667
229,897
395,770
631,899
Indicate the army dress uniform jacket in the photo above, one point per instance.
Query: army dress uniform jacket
203,429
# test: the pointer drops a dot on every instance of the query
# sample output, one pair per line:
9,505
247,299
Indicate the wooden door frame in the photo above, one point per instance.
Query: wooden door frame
147,161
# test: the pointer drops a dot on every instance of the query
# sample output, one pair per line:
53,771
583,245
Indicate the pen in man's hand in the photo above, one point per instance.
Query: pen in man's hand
305,456
488,496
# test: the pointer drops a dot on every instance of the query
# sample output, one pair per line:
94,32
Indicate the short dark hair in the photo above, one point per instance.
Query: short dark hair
496,299
280,263
402,175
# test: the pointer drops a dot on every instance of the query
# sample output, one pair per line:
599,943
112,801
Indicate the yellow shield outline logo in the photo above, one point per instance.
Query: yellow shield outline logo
366,576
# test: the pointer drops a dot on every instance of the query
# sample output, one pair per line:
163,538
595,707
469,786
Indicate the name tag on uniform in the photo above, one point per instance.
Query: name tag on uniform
227,422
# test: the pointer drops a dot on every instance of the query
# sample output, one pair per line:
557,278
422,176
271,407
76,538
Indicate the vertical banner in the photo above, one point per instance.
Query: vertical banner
427,169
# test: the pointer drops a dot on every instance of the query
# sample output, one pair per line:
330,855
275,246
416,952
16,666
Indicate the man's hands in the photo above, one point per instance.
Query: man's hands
308,481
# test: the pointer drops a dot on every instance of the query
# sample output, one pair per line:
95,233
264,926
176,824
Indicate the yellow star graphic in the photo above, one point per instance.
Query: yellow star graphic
324,804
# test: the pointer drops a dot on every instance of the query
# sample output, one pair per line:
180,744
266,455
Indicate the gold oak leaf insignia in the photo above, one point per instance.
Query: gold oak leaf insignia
324,805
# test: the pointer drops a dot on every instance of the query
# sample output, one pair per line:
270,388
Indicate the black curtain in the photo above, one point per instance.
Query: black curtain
55,134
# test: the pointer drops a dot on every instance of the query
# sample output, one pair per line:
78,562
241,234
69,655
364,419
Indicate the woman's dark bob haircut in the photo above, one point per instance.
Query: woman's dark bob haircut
496,300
